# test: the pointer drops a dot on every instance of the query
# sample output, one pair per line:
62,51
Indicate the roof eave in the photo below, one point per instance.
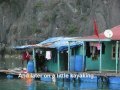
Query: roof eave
91,39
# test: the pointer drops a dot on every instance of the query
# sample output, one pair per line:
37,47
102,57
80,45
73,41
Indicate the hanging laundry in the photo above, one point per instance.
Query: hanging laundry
93,51
48,55
98,46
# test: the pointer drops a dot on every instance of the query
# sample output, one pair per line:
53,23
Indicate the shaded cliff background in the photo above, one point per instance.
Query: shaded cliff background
31,21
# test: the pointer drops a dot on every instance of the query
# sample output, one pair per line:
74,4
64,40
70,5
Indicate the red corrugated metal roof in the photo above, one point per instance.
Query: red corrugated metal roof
116,34
93,38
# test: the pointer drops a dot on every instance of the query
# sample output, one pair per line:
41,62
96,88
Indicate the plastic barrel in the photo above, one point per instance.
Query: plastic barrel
114,86
89,79
115,80
79,63
72,63
30,66
46,79
9,76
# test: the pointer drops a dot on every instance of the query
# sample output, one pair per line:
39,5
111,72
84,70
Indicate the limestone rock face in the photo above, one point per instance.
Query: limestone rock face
41,19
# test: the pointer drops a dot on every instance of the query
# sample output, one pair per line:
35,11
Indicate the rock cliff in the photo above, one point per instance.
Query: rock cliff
24,20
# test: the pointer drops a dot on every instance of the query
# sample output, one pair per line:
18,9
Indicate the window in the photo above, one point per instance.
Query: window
114,51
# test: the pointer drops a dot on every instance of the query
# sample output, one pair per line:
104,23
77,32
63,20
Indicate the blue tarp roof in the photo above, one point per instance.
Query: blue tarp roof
22,47
60,43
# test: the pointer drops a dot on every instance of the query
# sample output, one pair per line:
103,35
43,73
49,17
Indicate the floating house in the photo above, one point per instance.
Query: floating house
77,54
96,54
102,54
57,54
99,54
60,53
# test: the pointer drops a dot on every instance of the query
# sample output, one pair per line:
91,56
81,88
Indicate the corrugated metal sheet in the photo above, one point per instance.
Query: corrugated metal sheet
116,33
116,36
60,43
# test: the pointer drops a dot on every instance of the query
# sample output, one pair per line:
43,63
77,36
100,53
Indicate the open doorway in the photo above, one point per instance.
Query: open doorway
64,61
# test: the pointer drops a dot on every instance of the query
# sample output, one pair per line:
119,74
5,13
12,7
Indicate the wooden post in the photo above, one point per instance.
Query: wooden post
34,60
83,65
69,54
100,68
116,56
58,58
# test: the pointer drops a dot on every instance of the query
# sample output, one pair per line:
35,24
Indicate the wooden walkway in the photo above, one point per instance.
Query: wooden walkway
95,73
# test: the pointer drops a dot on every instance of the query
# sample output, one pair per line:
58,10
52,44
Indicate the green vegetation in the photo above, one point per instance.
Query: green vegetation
35,29
47,18
50,17
17,6
38,31
40,4
83,18
72,29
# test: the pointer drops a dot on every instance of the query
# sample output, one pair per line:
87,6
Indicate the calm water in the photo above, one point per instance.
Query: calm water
18,84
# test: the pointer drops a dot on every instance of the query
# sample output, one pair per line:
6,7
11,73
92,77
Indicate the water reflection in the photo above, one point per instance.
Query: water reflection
76,86
114,86
85,86
30,84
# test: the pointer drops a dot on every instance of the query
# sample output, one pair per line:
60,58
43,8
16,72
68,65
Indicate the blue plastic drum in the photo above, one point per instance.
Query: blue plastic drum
79,63
72,63
30,66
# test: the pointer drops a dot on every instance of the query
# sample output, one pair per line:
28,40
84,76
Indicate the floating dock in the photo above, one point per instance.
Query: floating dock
89,76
